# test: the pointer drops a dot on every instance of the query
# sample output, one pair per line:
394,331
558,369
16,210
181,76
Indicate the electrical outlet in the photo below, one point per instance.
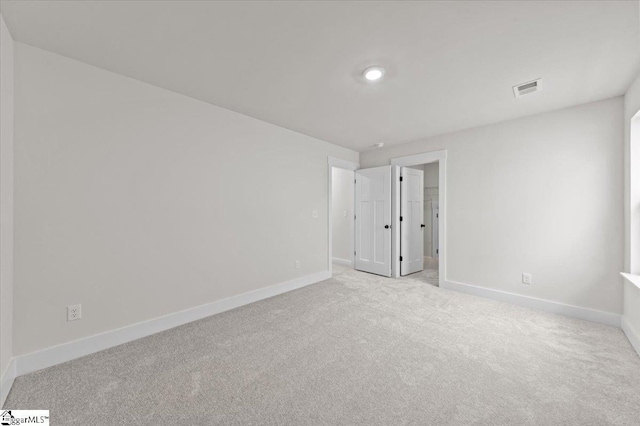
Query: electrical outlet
344,213
314,214
297,264
526,278
74,312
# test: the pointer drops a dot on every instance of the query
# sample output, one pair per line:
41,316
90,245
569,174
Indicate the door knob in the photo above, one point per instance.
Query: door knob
386,227
422,226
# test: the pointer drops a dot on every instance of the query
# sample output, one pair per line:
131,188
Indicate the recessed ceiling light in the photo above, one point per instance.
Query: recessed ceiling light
379,145
373,73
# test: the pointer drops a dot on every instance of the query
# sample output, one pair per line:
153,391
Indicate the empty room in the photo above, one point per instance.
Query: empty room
320,212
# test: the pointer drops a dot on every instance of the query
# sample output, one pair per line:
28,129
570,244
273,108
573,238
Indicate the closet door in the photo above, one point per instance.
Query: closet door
411,220
373,220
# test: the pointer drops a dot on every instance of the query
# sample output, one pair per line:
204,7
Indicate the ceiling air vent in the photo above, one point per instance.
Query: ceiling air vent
528,87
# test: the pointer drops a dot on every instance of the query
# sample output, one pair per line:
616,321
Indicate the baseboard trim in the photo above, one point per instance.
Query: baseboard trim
68,351
534,303
340,261
6,381
632,334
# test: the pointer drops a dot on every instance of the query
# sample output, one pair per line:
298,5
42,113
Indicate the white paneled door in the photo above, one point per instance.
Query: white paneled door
411,220
373,220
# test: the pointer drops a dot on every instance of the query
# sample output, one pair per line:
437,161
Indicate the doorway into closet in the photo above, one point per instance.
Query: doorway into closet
389,220
419,216
421,204
431,211
342,206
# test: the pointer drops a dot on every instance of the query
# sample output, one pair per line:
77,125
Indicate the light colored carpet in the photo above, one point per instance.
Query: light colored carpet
430,273
356,349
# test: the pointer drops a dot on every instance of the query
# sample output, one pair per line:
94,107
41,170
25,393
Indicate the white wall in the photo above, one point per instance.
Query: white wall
431,175
632,208
342,189
541,194
138,202
6,197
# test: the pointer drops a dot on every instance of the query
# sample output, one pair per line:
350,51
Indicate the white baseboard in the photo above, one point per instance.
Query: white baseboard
339,261
6,381
534,303
88,345
632,334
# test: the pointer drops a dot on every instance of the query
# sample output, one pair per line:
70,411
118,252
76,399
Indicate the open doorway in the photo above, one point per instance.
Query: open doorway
431,189
342,205
419,217
366,217
340,214
422,239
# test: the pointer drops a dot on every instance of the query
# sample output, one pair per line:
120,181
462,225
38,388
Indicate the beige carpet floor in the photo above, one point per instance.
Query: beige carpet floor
355,349
429,274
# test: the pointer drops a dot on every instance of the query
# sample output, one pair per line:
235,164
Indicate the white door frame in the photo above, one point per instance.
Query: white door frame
340,164
415,160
